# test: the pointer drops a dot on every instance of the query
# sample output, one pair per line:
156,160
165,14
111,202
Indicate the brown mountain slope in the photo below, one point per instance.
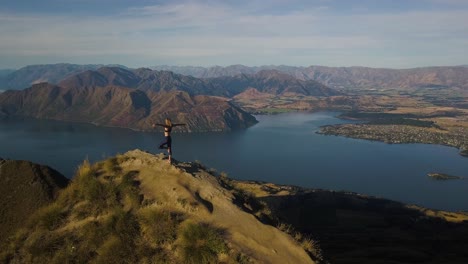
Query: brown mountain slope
24,187
124,107
272,82
105,76
268,81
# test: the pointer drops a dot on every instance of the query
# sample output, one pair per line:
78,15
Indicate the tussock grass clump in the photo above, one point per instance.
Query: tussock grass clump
41,245
115,250
49,217
310,245
201,243
129,189
287,228
242,259
313,247
111,166
158,226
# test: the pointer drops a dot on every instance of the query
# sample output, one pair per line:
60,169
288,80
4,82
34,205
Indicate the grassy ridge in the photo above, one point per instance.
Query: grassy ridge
101,217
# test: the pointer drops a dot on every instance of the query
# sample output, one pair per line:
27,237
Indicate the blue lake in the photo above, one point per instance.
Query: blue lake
283,149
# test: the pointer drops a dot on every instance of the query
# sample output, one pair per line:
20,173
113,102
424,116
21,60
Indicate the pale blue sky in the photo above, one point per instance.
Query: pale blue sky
374,33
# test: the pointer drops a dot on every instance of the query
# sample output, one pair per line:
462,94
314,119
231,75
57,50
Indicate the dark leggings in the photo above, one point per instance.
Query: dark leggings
168,142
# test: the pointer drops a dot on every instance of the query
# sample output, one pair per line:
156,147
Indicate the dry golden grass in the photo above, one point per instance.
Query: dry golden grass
138,208
454,217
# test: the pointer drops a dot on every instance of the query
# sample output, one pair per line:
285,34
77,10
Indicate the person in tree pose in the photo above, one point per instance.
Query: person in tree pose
167,142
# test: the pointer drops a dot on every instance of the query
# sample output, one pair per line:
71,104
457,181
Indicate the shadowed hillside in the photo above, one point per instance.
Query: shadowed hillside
353,228
24,187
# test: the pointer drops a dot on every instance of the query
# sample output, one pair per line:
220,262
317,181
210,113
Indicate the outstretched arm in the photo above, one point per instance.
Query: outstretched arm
156,124
178,125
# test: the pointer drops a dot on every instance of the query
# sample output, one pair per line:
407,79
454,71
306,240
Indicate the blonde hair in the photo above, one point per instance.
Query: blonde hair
168,122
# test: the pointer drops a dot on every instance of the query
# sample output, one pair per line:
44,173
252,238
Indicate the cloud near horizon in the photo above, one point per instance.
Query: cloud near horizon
302,33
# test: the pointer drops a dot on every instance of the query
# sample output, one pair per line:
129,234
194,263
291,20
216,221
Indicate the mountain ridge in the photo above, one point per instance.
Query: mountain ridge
270,81
355,77
31,74
112,96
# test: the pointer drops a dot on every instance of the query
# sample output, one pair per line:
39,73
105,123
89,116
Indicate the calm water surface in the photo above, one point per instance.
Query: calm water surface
283,149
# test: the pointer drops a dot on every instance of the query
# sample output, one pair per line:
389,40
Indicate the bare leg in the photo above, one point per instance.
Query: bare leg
169,151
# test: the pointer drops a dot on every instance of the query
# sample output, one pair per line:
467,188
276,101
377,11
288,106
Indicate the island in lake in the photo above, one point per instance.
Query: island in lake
443,176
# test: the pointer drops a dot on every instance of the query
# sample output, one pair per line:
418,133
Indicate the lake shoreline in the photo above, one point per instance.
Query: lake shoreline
282,149
394,134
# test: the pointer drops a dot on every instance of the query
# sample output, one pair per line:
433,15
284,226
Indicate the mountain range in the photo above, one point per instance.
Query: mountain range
347,77
52,73
135,98
269,81
114,96
333,77
124,107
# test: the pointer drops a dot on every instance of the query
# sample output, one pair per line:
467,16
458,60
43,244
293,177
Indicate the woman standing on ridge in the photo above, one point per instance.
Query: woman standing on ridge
167,136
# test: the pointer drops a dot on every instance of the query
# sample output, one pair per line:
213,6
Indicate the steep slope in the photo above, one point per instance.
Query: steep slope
105,76
24,187
136,208
169,81
124,107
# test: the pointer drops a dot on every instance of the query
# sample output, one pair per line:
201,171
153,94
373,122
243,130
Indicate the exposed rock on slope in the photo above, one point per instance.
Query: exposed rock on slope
136,208
24,187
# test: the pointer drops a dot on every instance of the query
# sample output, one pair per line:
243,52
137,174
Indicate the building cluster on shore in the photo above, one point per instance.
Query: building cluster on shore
397,134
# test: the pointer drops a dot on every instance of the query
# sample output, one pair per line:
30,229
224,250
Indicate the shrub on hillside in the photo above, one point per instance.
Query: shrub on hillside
201,243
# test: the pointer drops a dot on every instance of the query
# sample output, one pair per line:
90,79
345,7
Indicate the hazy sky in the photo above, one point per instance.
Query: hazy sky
374,33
